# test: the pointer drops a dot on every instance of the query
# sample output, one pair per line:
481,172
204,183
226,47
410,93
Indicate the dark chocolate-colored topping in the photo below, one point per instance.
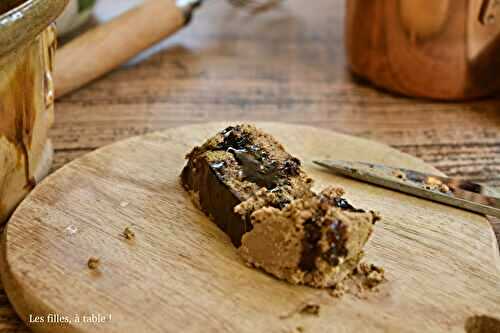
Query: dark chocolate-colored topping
344,204
234,138
291,166
263,173
256,165
218,199
310,249
336,237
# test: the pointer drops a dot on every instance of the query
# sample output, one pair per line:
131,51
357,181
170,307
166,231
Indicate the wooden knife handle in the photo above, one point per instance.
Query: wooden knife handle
106,47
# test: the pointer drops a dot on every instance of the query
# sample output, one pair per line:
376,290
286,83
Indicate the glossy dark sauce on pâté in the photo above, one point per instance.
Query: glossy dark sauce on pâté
256,165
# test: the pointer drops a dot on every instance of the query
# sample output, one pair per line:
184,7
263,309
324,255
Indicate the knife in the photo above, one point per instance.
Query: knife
451,191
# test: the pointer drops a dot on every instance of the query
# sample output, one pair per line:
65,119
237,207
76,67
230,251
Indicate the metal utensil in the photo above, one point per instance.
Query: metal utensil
104,48
256,5
455,192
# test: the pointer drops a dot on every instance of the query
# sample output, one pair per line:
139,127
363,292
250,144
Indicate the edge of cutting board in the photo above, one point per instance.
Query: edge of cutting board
38,284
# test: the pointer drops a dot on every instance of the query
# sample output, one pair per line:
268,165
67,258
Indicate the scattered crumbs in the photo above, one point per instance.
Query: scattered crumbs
430,187
128,234
124,204
310,309
435,184
399,174
93,263
371,274
306,309
71,230
432,181
338,290
365,278
444,188
376,216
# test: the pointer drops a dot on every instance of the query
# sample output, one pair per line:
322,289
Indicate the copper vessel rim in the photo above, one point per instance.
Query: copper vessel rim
27,20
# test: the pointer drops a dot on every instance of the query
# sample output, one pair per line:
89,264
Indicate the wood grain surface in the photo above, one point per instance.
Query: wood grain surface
287,65
182,274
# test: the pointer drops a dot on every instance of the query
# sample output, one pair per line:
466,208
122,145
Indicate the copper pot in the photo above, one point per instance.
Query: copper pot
442,49
27,46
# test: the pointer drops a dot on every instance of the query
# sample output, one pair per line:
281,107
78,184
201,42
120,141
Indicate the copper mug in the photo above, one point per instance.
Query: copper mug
440,49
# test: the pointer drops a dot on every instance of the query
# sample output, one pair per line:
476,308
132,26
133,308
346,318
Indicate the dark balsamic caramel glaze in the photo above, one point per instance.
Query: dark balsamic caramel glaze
344,204
310,243
18,109
336,236
216,198
262,173
256,165
310,248
259,168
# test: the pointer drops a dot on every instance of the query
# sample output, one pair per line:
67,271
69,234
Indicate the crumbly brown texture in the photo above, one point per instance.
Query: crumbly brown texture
93,263
372,275
312,241
364,279
256,192
238,164
128,234
310,309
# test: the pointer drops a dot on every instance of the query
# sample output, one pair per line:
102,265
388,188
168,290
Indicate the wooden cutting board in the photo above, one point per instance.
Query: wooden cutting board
181,273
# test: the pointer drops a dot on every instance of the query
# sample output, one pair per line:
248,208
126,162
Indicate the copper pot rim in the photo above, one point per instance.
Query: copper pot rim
26,21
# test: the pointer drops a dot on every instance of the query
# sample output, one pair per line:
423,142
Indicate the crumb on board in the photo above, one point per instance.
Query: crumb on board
310,309
399,174
305,309
124,204
444,188
372,275
376,216
338,290
128,234
432,181
300,329
365,278
93,263
435,184
430,187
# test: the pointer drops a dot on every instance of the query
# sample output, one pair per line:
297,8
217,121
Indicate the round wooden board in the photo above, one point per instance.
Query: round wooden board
181,274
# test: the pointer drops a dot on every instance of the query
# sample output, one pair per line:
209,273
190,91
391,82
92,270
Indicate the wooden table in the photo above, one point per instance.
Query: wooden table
287,65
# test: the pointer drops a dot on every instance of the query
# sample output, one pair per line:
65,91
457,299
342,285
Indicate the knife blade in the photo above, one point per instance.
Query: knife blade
451,191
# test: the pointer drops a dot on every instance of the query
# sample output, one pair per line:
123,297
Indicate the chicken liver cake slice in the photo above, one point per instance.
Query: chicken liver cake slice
260,196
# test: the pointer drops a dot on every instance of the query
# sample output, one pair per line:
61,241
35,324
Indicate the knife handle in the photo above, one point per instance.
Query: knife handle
109,45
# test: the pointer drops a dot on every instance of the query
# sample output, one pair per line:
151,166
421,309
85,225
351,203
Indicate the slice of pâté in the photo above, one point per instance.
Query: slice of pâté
231,167
260,196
